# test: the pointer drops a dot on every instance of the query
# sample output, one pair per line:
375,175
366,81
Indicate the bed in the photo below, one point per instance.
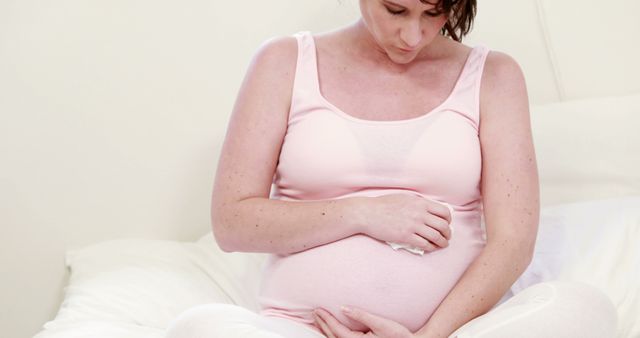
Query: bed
134,287
585,112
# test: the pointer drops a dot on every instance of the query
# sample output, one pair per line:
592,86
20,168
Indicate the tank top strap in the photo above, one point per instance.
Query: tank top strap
466,94
303,97
465,97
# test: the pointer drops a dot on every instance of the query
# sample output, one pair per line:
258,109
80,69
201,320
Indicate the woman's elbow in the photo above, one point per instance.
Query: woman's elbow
220,232
525,247
519,245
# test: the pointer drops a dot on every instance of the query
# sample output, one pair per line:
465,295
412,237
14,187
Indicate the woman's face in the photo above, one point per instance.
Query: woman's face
401,24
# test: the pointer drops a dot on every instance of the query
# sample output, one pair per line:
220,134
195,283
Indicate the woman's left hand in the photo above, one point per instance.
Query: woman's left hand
379,327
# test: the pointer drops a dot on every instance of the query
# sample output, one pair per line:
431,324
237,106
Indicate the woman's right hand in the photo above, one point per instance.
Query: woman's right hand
406,218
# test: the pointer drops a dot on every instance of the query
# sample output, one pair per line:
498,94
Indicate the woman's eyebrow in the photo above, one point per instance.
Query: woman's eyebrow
399,5
394,4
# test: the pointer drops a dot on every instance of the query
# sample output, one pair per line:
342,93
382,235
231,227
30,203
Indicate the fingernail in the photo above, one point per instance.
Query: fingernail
346,309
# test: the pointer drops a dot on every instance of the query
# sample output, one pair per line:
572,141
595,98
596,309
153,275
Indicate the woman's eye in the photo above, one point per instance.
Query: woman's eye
391,11
394,12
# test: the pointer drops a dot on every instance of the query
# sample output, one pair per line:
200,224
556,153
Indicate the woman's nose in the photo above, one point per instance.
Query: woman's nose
411,35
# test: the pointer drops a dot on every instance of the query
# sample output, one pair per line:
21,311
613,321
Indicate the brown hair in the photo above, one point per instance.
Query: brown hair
460,15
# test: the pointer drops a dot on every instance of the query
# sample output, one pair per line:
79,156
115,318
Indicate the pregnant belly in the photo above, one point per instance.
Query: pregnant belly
368,273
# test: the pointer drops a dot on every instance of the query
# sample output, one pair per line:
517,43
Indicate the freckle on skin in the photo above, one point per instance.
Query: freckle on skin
323,214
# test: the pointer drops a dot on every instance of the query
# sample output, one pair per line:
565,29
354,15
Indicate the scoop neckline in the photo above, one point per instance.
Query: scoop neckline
343,114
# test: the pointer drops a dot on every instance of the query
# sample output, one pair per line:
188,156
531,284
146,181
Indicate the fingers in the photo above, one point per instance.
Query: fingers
428,237
324,327
440,209
332,327
377,324
439,224
422,243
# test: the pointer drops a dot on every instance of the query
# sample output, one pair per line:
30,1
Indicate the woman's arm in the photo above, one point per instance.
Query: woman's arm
510,196
260,224
242,215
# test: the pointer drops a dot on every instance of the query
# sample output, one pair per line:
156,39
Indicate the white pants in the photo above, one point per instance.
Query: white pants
550,309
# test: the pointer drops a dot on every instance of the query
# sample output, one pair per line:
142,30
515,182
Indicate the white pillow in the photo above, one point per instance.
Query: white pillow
138,285
246,267
587,149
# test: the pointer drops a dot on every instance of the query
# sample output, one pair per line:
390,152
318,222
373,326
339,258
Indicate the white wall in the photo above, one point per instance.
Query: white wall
111,117
112,114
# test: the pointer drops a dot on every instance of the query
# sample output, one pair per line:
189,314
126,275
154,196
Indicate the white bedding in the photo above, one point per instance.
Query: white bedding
134,287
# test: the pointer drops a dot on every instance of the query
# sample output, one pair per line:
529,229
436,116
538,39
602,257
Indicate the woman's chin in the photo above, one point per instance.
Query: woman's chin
401,58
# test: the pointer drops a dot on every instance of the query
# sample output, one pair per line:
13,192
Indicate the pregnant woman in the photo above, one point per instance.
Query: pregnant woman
385,141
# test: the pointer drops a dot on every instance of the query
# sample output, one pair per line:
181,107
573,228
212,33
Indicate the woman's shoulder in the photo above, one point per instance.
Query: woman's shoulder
278,49
273,66
502,66
497,63
502,81
500,71
332,42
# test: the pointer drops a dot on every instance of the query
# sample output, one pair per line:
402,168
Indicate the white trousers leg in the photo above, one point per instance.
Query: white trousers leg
218,320
563,309
553,309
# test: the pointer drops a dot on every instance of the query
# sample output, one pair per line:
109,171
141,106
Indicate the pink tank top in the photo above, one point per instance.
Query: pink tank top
328,154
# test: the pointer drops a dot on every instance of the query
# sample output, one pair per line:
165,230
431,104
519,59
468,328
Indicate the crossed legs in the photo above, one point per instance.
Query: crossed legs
563,309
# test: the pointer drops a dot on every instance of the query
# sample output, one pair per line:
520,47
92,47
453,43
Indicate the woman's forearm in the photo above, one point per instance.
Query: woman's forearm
283,227
481,286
